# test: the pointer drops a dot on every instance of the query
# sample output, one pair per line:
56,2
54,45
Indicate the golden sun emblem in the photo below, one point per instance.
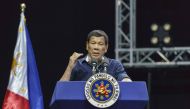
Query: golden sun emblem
16,64
101,90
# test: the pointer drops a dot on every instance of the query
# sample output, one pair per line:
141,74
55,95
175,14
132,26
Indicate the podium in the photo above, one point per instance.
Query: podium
70,95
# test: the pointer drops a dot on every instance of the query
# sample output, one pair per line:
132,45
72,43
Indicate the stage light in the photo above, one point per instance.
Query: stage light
154,27
154,40
167,40
167,27
161,36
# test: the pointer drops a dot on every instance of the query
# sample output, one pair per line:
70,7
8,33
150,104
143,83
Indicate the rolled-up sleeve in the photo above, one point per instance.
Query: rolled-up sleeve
120,72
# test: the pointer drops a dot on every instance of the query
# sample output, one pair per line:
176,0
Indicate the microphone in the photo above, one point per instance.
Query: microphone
105,65
94,64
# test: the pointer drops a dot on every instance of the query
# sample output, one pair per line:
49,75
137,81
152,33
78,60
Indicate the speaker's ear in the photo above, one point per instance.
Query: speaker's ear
106,48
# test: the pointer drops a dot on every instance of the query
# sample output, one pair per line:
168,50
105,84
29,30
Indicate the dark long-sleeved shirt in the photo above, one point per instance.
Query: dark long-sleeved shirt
83,70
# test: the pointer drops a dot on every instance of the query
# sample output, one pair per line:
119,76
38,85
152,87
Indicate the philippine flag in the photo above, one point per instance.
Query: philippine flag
24,90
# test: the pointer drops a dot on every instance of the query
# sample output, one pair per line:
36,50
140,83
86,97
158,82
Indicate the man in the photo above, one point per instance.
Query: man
97,46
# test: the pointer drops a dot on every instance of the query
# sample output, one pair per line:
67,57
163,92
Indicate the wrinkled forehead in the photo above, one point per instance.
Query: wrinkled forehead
97,38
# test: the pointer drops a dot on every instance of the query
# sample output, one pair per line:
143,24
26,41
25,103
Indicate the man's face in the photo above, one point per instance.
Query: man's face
96,47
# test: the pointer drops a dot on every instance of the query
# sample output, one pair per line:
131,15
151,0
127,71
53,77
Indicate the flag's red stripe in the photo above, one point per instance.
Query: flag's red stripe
15,101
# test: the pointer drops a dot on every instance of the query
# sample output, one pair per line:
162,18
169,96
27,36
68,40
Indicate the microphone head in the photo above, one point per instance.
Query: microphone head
105,64
94,62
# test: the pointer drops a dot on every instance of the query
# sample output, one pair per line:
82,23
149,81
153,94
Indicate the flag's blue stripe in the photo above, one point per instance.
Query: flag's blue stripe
35,94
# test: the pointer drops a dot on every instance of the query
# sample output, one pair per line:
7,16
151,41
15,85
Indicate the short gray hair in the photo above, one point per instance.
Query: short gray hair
98,33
